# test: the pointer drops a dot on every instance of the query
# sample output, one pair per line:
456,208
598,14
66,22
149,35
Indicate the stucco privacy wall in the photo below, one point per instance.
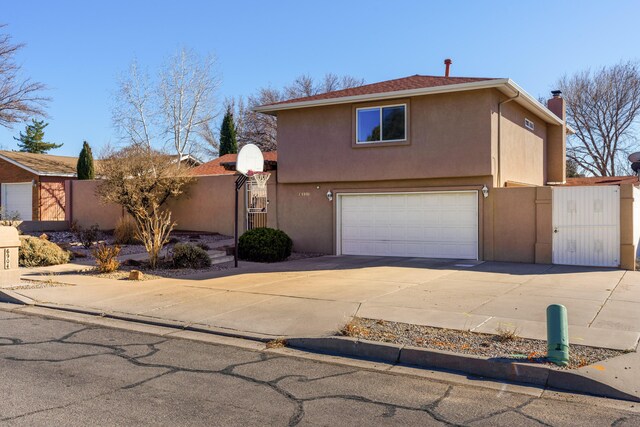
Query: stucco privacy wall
208,205
87,209
636,219
628,224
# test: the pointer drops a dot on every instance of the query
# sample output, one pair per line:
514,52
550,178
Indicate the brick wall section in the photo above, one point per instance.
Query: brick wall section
11,173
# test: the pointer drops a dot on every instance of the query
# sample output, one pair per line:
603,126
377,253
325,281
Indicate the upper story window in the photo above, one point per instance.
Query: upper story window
381,124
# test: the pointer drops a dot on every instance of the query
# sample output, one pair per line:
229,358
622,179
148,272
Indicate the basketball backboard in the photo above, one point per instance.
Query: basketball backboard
250,159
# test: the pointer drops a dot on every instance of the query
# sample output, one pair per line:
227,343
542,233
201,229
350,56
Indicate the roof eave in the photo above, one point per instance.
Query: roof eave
506,86
34,171
274,108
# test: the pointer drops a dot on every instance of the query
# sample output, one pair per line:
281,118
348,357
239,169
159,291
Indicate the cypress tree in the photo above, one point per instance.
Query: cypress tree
85,167
32,141
228,141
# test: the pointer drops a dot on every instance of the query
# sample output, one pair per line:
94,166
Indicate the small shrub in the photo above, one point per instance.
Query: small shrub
106,257
88,236
264,245
125,232
506,334
36,252
190,256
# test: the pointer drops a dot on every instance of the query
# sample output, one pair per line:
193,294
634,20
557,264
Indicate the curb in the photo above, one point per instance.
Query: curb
494,368
500,369
173,324
12,297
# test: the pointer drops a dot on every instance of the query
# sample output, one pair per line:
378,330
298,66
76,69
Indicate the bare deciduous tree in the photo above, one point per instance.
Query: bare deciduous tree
603,107
133,112
261,129
20,98
175,110
142,180
187,90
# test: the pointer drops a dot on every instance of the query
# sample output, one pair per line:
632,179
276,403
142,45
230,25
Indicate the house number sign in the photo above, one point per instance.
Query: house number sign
7,259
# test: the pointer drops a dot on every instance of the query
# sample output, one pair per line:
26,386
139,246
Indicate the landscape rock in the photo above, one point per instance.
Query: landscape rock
44,236
135,275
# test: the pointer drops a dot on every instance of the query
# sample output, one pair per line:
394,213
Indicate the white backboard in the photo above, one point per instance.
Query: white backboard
250,159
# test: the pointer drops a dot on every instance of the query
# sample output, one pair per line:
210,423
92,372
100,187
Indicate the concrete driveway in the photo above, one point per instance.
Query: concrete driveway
317,296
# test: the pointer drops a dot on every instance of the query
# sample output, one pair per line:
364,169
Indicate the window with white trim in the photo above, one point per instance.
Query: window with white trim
381,124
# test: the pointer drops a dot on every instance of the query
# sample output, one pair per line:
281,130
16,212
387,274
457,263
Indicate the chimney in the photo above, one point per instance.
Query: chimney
556,104
556,140
447,63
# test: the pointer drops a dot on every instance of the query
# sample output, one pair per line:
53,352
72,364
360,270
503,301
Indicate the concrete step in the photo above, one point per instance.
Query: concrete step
216,254
221,259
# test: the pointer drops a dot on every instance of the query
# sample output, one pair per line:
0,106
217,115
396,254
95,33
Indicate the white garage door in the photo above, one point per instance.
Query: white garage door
16,199
429,225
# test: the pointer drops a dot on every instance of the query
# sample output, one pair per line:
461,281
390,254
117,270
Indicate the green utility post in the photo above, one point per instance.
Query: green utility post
557,335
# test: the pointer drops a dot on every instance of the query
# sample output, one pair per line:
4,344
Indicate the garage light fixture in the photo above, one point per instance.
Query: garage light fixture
330,195
485,191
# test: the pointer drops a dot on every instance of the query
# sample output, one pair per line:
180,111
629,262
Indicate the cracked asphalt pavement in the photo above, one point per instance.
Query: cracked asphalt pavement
55,372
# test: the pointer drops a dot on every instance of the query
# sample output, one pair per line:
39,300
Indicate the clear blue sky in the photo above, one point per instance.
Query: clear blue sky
78,48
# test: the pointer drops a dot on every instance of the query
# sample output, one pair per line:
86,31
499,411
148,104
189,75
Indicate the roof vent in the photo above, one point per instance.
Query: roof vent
447,63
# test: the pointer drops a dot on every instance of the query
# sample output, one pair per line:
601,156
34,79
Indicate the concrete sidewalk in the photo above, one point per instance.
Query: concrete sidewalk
317,296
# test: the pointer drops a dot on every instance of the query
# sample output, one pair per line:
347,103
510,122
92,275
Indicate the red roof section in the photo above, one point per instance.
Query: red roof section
215,166
406,83
602,180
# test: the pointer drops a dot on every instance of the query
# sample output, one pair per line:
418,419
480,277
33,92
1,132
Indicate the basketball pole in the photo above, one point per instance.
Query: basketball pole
240,180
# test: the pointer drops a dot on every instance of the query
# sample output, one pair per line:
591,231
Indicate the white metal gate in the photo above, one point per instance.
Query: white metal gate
257,204
586,226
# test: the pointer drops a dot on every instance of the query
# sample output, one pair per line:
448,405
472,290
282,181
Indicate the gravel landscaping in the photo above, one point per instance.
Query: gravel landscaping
69,240
504,345
123,272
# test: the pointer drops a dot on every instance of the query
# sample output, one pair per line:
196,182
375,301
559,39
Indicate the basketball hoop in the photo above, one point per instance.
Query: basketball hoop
259,178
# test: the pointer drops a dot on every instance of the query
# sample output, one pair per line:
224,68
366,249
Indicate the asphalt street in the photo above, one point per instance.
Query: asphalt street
55,372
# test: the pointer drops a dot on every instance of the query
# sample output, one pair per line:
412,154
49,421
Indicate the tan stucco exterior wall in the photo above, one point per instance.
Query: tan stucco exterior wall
522,151
514,224
449,136
305,213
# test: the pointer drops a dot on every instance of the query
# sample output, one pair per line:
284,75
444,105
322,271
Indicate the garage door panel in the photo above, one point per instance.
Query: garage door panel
433,225
17,199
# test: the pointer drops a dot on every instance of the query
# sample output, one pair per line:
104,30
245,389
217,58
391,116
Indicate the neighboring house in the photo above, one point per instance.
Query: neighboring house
226,165
33,185
190,161
402,167
602,180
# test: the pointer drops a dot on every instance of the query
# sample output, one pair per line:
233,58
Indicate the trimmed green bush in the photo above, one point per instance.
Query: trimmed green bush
36,252
190,256
264,245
